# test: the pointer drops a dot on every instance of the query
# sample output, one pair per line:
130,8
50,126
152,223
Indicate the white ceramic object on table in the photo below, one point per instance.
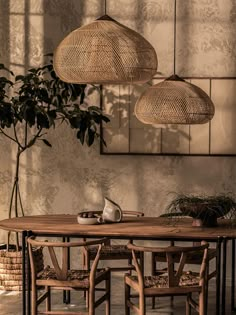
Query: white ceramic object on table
111,213
87,220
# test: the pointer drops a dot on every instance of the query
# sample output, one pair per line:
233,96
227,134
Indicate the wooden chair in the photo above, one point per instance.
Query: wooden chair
170,283
59,277
194,259
113,251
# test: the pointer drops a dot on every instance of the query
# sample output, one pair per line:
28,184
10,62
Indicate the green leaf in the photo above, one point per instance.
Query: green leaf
48,67
105,118
46,142
82,96
90,137
4,80
81,135
29,115
19,77
53,75
42,121
95,108
52,114
32,70
75,122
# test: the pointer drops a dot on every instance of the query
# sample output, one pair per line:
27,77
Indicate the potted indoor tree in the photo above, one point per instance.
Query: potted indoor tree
31,104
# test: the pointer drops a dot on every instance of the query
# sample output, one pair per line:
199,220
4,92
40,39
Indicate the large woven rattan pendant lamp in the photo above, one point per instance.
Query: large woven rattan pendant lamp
174,101
105,51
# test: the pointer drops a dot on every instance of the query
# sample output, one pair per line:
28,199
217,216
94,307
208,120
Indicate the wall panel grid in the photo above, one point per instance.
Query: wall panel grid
124,134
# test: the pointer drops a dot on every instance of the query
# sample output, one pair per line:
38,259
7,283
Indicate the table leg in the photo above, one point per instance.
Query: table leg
24,235
218,276
233,278
224,263
66,294
29,233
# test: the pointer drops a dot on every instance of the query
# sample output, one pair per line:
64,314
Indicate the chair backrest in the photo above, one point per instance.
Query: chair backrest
61,268
174,268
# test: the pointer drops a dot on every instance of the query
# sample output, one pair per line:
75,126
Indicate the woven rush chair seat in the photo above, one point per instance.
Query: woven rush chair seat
76,277
60,277
173,281
187,279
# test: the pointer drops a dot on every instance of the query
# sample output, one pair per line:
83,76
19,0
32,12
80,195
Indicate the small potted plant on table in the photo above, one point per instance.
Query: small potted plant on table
205,210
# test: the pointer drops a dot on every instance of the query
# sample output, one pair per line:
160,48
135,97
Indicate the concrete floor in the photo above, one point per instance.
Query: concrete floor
10,302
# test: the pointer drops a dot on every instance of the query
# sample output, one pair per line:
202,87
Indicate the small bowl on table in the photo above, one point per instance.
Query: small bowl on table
88,217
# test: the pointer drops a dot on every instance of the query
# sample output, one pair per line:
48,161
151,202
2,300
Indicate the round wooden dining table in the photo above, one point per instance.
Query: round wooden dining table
149,228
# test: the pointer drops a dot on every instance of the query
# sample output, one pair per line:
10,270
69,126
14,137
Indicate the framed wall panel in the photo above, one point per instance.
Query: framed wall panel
205,54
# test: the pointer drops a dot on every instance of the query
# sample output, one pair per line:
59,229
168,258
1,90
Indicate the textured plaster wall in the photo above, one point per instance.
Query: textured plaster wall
68,177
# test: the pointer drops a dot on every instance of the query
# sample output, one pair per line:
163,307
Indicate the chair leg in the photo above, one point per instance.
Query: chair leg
153,302
201,303
206,289
91,299
86,266
108,293
48,299
142,262
127,299
188,306
142,303
34,300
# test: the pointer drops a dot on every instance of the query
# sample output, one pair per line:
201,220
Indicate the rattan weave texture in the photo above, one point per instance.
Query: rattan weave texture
105,51
174,102
11,268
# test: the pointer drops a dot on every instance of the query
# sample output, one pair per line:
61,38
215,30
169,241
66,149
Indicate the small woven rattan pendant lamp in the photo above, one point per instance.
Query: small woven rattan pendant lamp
105,51
174,101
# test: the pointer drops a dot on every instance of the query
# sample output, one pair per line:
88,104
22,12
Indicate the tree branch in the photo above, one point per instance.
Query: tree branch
32,140
16,137
26,133
6,135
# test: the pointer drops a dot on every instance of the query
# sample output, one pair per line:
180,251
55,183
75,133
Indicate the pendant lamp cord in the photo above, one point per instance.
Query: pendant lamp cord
175,6
105,6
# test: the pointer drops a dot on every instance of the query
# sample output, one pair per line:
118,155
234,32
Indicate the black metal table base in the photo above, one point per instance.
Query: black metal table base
218,276
223,284
233,308
24,255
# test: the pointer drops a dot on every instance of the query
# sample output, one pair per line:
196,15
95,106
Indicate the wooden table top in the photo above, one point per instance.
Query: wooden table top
135,228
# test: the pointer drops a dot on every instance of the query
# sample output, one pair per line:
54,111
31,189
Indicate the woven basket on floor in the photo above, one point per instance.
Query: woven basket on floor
105,51
11,268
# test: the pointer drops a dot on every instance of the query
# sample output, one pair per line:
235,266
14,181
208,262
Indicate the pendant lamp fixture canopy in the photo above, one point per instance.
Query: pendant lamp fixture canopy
105,51
174,101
